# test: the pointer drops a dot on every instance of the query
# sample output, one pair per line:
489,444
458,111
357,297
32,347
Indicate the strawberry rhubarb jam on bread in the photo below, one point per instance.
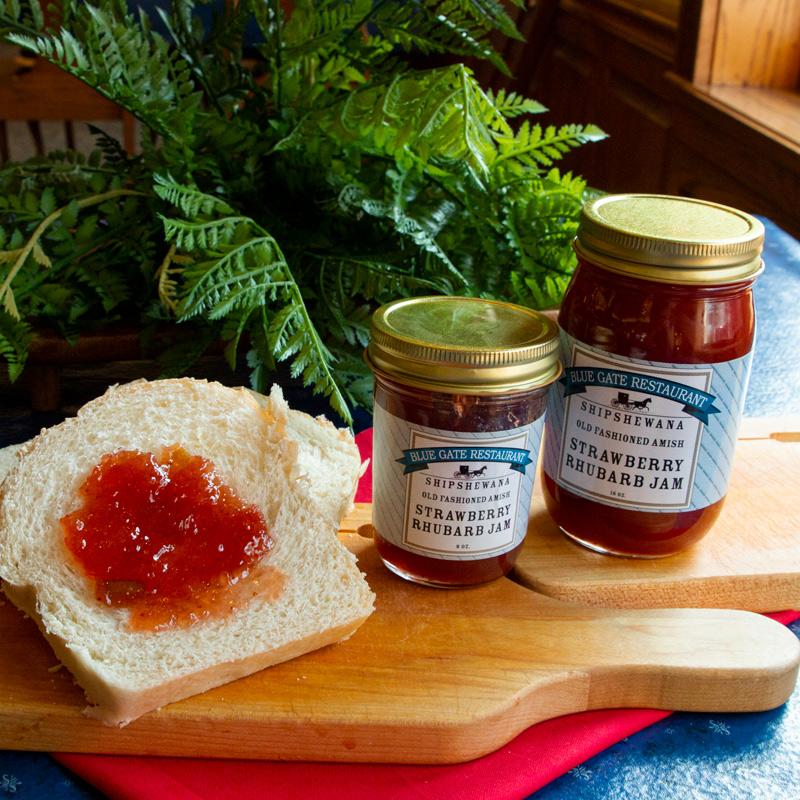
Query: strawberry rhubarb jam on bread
170,538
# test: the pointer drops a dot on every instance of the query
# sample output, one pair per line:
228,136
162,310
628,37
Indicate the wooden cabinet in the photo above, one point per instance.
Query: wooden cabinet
699,98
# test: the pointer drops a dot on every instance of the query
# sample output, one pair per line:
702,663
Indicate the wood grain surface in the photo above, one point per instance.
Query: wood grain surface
750,559
434,676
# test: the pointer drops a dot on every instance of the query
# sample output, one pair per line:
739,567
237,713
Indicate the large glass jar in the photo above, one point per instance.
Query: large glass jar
460,395
657,330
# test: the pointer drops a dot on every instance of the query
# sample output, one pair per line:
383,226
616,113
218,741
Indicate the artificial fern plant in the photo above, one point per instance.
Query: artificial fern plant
286,189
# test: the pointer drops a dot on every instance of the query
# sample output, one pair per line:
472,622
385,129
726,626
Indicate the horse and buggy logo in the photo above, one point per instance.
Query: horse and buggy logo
465,473
623,401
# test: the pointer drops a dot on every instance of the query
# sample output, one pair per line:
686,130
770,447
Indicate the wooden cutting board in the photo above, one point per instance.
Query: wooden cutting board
750,559
434,676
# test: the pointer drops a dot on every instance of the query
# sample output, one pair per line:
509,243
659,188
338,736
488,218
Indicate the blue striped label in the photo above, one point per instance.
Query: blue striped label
452,495
643,435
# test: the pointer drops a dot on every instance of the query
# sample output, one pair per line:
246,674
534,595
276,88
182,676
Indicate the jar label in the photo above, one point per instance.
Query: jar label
449,494
643,435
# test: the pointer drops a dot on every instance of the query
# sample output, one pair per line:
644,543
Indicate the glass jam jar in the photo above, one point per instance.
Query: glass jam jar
657,329
460,395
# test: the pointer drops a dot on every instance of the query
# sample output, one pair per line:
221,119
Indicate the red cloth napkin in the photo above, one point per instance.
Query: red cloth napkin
364,442
536,757
531,760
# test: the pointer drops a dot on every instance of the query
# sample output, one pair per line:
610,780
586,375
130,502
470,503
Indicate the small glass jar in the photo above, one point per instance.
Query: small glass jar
460,395
657,332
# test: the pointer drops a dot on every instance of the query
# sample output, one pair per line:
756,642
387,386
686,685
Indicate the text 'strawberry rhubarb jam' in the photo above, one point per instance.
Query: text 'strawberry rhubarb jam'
460,395
657,330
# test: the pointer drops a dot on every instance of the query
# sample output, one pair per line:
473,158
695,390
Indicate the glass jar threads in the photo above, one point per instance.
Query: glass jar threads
657,331
460,395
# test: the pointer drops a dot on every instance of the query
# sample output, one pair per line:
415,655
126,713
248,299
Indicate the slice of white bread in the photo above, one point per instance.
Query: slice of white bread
328,461
125,674
9,457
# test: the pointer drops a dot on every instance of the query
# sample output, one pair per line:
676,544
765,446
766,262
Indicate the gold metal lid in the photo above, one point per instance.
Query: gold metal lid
464,344
670,239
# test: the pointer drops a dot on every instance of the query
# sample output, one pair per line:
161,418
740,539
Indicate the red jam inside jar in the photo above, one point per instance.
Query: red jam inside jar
165,537
704,319
460,394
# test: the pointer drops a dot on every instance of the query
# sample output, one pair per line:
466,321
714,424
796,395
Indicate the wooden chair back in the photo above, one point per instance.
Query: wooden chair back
34,91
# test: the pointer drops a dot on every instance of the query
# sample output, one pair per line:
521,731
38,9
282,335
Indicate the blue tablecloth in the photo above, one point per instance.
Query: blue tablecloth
774,389
725,756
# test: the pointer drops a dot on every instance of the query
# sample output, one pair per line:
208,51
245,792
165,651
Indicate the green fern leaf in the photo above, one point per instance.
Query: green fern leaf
191,201
40,256
281,200
15,339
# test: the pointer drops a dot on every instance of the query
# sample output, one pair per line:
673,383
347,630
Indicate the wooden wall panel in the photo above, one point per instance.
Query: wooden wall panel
614,63
589,74
757,44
